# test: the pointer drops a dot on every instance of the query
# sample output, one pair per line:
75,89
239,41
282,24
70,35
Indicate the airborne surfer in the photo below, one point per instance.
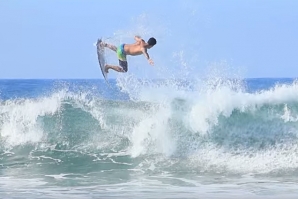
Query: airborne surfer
137,48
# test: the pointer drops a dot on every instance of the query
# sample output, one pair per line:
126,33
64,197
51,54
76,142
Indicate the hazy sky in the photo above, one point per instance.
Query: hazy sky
55,38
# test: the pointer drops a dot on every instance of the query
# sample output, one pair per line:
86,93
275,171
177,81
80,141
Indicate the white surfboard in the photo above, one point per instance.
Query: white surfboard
101,58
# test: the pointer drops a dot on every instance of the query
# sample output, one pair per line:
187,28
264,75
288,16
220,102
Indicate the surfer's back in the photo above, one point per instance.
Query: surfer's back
135,48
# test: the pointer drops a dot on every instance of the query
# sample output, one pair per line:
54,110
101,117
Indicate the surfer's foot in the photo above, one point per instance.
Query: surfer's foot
102,44
106,69
98,42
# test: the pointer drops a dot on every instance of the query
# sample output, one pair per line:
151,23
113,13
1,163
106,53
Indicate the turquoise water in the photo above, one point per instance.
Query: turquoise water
148,138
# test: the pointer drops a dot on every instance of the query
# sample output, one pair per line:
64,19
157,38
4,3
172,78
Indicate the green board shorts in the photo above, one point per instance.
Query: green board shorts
122,57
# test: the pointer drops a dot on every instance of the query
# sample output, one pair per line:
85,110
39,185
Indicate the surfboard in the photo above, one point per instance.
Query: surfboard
101,58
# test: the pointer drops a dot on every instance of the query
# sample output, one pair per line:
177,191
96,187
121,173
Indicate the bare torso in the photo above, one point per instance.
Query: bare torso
136,48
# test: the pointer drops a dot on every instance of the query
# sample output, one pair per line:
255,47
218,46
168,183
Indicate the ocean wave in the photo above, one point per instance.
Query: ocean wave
219,128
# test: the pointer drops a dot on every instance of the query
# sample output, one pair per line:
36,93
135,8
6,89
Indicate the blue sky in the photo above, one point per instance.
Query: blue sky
55,38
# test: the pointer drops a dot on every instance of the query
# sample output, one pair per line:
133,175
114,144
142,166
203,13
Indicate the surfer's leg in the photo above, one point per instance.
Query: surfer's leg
123,64
122,59
110,46
103,44
115,68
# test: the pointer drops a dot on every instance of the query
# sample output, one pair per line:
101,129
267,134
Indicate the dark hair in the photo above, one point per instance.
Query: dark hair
151,41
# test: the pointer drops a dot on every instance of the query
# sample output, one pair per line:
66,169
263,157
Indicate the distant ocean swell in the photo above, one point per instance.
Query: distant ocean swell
221,130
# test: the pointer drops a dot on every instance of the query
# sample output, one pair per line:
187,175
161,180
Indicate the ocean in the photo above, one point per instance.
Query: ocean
143,138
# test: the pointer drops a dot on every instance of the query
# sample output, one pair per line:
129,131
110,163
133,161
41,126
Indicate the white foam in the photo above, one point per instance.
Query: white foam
152,135
223,100
19,118
212,158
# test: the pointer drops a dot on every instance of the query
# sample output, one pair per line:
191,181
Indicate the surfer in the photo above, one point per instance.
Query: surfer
137,48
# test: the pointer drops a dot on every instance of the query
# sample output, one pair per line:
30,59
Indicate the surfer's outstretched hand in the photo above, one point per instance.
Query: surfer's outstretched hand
151,62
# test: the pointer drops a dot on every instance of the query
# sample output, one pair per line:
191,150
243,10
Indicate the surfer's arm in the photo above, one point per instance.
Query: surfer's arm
147,57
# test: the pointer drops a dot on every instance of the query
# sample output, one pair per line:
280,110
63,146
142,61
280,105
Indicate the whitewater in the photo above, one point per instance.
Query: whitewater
142,138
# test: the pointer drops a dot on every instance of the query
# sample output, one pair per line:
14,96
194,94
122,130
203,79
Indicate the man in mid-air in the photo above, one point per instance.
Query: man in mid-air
137,48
